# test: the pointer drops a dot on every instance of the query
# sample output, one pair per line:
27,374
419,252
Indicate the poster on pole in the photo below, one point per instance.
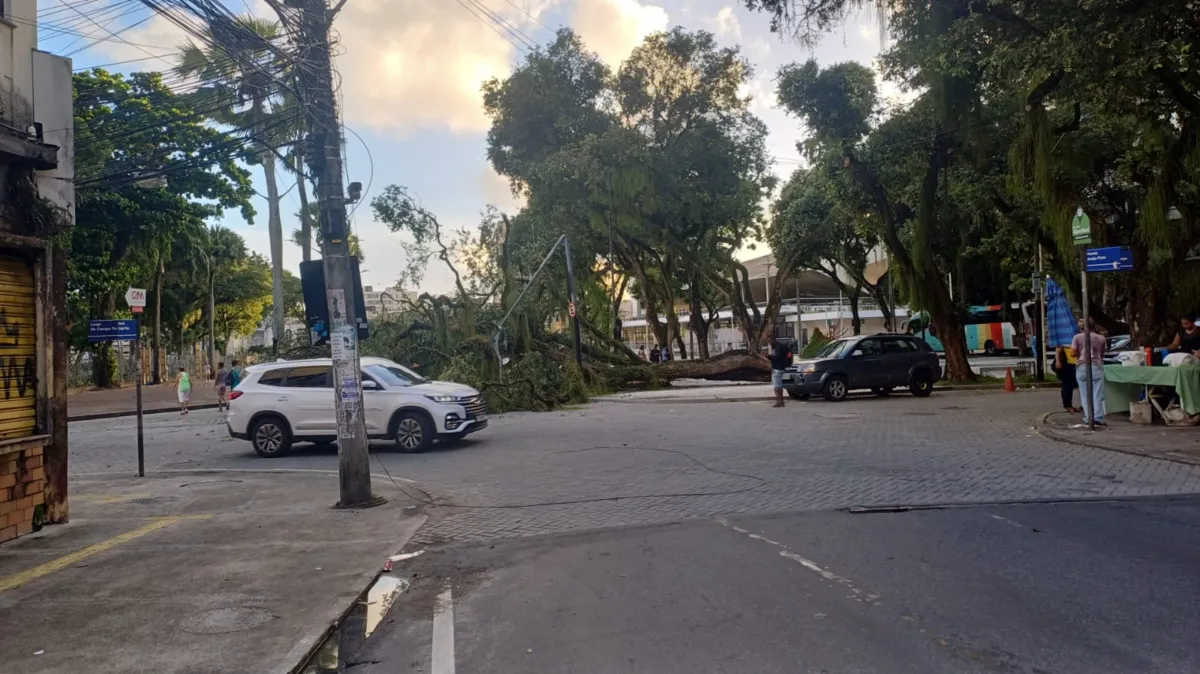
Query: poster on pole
337,307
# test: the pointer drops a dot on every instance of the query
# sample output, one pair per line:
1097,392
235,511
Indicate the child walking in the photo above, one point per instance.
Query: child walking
183,388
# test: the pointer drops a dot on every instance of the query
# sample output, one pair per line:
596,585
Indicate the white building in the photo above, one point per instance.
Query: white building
384,301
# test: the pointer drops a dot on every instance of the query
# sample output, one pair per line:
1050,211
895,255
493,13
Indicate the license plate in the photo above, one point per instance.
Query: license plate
481,417
787,377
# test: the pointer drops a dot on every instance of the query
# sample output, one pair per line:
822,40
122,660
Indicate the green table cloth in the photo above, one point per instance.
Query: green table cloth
1124,384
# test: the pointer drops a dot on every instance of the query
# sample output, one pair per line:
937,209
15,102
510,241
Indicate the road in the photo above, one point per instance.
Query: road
617,546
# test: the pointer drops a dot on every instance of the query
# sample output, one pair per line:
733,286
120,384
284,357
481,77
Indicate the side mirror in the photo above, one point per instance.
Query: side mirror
370,385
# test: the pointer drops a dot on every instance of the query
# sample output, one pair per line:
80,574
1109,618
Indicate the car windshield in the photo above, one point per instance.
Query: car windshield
834,349
394,374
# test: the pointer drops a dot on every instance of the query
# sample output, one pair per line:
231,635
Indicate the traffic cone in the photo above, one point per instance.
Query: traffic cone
1009,386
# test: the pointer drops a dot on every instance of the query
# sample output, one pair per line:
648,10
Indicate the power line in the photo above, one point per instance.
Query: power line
491,25
529,42
526,13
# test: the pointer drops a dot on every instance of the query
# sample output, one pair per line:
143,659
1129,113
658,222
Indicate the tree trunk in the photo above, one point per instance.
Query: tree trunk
855,319
696,320
156,364
305,215
212,332
660,330
275,226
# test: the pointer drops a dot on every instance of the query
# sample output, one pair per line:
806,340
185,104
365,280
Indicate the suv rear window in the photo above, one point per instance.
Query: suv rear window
273,377
311,376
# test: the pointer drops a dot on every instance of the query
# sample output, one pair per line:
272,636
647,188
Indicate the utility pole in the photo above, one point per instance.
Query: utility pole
315,78
573,308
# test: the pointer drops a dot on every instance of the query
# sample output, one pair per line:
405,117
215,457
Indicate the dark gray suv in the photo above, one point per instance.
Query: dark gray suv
876,362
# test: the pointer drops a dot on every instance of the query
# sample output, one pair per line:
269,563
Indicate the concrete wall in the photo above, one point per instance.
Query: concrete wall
18,38
53,108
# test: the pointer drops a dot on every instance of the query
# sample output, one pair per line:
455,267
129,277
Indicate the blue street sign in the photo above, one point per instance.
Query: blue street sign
1116,258
112,331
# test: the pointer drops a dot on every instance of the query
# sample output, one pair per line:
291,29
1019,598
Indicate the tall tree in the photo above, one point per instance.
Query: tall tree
239,86
147,171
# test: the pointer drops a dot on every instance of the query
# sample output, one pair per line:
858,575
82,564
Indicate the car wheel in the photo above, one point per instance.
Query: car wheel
271,437
835,389
882,390
990,349
796,395
921,385
414,432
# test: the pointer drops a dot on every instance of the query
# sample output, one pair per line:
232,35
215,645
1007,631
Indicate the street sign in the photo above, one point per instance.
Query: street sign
1081,228
1115,258
112,331
571,309
135,298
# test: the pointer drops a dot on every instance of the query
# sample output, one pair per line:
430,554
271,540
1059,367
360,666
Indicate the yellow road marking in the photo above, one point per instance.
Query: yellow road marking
15,581
105,499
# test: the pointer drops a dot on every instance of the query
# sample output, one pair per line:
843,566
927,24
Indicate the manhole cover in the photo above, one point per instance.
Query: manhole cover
225,620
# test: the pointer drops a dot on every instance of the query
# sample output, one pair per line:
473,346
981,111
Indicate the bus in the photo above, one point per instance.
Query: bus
986,328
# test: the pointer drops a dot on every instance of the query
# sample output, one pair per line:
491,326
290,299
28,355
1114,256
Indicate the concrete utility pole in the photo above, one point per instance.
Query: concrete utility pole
325,158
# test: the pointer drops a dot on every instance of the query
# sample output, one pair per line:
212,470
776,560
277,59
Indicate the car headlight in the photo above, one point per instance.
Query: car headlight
443,398
808,368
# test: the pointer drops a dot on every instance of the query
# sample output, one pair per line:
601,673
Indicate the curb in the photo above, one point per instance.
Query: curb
133,413
1040,429
767,399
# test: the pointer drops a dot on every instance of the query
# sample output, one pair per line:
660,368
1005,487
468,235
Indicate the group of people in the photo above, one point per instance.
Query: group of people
657,354
1073,363
223,382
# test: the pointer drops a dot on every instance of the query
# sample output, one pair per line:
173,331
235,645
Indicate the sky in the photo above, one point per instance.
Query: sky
412,71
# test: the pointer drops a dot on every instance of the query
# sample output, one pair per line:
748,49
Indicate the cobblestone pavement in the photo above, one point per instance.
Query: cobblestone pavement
628,463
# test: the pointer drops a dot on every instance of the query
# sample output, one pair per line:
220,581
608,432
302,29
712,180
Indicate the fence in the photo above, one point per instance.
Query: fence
80,366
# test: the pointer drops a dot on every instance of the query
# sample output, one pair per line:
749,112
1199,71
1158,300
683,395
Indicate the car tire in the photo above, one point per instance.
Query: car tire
413,432
882,391
921,385
835,389
796,395
271,437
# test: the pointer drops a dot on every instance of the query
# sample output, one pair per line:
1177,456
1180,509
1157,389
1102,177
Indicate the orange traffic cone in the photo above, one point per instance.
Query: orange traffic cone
1009,386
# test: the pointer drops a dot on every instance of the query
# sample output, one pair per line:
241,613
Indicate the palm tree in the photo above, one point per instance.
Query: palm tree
239,83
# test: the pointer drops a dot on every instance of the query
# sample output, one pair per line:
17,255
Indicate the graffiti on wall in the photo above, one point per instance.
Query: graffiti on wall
18,374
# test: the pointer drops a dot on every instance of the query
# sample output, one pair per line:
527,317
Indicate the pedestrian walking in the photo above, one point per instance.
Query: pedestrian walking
221,383
781,359
183,389
655,354
1082,365
642,352
235,375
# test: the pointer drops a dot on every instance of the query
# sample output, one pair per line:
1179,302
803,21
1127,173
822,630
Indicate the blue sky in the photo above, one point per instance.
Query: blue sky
411,72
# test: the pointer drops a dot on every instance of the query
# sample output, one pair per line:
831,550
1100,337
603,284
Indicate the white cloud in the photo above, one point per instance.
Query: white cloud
612,28
727,23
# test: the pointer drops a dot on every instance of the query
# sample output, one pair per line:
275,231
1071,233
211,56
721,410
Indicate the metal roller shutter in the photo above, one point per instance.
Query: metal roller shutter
18,347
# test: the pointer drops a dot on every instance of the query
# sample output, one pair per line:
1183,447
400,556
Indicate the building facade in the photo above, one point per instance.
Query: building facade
385,301
37,202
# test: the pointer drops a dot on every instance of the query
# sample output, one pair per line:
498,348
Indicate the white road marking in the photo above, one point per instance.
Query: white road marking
859,595
442,661
1007,521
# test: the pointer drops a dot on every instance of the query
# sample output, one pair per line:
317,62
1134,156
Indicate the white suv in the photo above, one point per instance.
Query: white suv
279,403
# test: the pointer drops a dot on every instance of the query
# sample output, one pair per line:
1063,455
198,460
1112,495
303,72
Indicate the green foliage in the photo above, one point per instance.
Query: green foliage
815,343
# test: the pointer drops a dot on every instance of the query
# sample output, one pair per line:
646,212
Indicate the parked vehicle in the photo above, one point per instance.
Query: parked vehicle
986,330
1116,345
278,404
877,362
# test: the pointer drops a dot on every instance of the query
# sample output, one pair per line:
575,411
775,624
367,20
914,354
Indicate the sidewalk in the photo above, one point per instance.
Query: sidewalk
193,572
118,402
1172,443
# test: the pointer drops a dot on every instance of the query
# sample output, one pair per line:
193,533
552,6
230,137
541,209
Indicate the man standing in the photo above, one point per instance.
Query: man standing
221,382
781,359
235,375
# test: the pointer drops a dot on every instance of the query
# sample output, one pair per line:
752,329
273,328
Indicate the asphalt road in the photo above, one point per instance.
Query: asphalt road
606,539
1062,589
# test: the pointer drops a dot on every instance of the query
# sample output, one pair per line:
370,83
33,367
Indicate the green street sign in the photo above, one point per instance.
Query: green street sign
1081,228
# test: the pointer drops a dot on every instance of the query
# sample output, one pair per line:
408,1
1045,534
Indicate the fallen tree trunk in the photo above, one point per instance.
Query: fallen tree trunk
730,366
